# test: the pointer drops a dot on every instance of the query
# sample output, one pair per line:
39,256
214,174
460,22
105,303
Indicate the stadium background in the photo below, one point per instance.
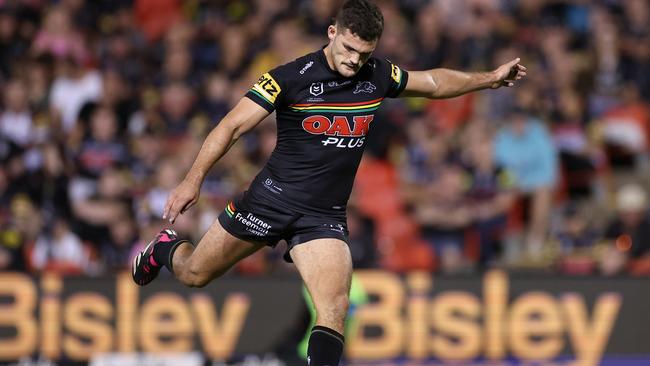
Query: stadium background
500,227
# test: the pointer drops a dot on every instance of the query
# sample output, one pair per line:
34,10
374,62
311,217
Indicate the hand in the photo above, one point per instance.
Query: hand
181,199
508,73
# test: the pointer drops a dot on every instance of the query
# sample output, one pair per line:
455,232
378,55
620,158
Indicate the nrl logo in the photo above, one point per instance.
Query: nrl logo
316,89
364,87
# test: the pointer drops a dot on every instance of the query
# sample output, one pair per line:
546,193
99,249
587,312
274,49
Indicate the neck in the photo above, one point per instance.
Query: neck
328,56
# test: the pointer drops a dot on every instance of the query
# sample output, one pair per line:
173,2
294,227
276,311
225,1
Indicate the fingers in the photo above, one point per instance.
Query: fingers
520,71
171,208
168,206
516,72
173,211
176,206
513,62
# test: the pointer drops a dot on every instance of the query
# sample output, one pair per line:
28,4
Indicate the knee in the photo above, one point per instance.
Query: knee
195,280
193,276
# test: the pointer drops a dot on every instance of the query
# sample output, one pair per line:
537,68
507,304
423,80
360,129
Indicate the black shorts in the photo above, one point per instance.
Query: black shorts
257,219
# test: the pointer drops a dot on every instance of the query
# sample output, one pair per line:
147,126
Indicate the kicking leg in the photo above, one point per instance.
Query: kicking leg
326,268
195,267
213,256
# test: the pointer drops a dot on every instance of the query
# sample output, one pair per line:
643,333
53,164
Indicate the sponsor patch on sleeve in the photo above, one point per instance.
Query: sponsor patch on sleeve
395,73
267,88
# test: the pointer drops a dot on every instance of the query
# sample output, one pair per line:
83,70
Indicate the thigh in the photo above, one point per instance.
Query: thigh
325,266
218,250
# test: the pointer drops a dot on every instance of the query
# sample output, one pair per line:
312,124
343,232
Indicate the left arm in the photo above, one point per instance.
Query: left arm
446,83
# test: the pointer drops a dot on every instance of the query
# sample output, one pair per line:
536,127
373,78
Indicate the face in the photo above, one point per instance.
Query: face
348,52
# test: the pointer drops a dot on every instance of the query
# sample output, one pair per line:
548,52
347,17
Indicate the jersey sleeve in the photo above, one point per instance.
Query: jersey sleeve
397,81
268,91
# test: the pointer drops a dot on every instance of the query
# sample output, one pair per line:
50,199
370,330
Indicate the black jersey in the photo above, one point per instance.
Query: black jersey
323,119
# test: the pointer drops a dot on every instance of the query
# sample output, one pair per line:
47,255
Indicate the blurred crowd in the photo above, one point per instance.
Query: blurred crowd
104,105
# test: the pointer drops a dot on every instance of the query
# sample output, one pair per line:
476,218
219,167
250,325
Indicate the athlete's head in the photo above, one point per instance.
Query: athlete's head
354,36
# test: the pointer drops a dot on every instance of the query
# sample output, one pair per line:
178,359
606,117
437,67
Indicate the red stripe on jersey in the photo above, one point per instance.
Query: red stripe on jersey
337,104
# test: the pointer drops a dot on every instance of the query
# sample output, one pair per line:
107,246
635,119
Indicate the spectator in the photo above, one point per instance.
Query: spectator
116,248
16,123
94,211
60,250
80,102
73,86
102,149
626,129
445,217
524,147
58,37
577,239
629,230
177,107
20,227
581,159
491,195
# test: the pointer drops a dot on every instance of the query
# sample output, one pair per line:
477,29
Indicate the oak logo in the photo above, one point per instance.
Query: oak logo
339,126
339,131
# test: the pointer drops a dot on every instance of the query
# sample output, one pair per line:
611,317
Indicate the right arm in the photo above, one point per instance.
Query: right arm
242,118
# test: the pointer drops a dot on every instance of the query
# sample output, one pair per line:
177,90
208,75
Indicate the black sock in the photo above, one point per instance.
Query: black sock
325,347
164,253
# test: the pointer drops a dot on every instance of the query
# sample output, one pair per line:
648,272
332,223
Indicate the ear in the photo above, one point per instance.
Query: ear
331,32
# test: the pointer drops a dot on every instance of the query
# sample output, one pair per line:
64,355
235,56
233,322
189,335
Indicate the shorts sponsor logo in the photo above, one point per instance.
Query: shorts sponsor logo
316,89
364,87
254,224
339,131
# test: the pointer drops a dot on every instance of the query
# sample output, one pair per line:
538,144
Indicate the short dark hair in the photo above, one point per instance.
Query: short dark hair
361,17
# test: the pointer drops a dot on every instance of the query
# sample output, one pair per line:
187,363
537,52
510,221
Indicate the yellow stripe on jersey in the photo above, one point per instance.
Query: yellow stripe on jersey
335,108
395,73
267,87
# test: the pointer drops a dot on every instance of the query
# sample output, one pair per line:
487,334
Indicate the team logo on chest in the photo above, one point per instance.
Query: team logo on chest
339,131
364,87
316,89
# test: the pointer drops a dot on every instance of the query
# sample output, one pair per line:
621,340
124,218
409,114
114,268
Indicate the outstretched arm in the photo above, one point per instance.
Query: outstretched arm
446,83
243,117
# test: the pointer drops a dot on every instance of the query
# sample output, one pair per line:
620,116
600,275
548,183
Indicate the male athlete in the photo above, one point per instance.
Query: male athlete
325,104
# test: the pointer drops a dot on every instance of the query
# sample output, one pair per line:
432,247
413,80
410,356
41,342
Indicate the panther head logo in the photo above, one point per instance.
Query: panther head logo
364,87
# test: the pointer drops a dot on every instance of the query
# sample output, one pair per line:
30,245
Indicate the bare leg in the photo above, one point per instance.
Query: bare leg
213,256
326,268
540,213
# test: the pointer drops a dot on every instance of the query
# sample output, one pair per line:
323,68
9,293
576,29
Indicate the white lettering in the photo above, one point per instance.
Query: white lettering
253,224
344,143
